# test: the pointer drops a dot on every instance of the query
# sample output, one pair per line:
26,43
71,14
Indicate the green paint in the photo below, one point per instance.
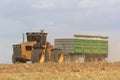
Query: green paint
90,46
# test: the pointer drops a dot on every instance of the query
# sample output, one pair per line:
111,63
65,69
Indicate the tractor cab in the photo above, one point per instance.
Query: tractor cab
40,37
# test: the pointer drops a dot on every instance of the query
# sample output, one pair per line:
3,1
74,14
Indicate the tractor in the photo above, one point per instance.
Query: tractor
36,49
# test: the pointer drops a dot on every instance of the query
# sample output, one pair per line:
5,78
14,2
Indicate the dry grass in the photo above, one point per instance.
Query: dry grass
64,71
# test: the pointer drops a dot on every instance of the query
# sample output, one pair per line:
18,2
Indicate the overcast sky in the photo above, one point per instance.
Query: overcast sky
61,19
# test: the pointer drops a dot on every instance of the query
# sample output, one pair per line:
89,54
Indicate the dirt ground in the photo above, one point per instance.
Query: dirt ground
63,71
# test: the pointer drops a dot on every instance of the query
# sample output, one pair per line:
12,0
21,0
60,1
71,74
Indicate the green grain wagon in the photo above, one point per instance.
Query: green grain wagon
91,47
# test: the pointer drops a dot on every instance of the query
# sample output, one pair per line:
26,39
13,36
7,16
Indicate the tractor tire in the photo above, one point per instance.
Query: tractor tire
18,60
57,56
37,56
13,59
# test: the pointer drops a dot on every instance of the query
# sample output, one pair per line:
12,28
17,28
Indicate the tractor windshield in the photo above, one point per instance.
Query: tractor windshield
40,38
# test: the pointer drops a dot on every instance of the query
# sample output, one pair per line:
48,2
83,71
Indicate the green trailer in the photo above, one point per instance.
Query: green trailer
92,47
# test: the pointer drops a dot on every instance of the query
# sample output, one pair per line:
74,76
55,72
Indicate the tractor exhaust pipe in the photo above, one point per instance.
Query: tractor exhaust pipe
42,31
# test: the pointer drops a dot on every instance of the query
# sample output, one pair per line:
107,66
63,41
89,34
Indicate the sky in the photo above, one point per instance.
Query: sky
60,19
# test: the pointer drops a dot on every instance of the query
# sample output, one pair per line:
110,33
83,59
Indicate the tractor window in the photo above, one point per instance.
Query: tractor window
16,46
28,48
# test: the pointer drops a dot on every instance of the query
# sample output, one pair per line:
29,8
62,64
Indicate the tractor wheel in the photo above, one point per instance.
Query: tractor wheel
57,56
37,56
13,59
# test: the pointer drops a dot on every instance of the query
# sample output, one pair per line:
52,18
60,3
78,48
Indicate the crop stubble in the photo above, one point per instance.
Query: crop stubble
63,71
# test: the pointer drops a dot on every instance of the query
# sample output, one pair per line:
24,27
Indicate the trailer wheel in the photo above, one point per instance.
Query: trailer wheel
57,56
37,56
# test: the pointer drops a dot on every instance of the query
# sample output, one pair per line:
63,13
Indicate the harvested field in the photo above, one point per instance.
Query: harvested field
63,71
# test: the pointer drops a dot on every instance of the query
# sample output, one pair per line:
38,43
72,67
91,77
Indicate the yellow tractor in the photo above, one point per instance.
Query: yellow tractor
36,50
